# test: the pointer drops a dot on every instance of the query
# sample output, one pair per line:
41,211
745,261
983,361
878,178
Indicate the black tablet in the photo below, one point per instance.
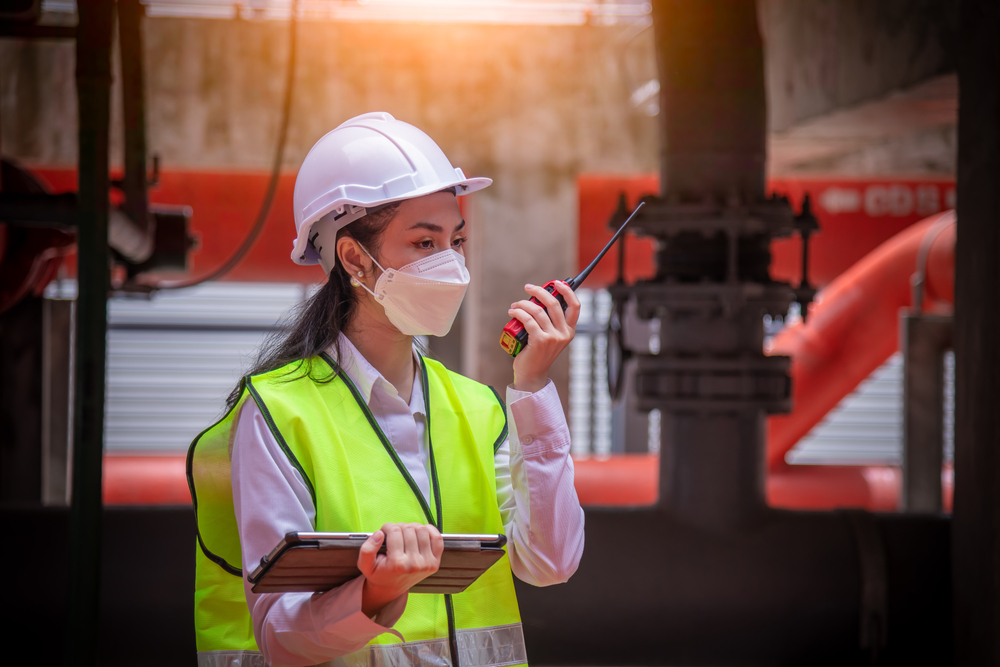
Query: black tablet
316,562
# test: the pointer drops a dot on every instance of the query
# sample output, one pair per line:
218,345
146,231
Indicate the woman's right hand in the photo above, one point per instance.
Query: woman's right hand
413,553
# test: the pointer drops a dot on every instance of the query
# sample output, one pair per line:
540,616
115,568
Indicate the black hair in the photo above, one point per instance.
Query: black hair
316,324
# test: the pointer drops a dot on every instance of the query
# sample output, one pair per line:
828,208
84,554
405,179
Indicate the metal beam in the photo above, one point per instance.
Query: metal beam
57,359
93,83
132,238
976,515
19,30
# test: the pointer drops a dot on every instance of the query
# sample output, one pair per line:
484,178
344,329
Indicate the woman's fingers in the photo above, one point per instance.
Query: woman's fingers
413,553
572,303
410,548
549,333
519,312
437,542
410,544
369,552
551,303
431,542
393,539
537,313
424,543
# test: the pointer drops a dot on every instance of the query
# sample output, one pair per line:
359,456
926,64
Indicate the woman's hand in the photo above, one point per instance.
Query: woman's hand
413,553
548,333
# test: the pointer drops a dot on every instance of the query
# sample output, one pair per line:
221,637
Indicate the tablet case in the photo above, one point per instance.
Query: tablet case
316,562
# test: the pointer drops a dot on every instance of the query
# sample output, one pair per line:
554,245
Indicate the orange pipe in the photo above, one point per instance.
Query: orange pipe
145,480
854,327
623,480
809,487
874,488
632,480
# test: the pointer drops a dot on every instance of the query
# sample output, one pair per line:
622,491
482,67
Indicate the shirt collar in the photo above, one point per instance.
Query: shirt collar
367,378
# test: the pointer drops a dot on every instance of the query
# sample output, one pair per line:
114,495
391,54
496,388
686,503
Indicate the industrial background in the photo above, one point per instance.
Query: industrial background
784,385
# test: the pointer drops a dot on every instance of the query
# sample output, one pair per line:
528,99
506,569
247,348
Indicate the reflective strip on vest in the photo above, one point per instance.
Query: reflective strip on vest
499,646
231,659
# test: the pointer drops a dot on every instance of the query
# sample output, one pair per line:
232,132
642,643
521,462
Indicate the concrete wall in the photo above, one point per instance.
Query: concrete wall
531,107
824,55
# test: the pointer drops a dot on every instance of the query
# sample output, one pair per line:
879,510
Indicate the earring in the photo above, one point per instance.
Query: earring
354,281
361,273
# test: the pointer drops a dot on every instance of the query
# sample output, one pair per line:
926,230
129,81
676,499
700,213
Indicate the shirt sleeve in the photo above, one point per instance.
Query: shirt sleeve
539,507
271,499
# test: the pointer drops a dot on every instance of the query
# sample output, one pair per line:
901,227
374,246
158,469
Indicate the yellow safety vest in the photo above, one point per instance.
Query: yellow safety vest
321,422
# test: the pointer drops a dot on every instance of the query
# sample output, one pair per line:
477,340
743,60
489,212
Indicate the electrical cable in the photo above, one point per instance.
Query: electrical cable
272,186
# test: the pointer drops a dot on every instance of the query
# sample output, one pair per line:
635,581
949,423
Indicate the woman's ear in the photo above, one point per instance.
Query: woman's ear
352,258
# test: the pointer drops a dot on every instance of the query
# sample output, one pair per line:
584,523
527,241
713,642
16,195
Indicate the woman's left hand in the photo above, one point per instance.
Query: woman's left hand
548,333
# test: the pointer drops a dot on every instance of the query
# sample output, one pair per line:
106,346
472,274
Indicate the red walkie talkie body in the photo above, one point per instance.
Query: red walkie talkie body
514,337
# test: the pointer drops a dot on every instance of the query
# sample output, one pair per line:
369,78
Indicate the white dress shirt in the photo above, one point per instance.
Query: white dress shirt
538,506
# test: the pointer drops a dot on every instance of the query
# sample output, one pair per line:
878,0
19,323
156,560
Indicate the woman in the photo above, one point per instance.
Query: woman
342,426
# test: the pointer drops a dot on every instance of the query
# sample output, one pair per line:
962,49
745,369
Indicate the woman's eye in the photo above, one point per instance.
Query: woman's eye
459,241
426,245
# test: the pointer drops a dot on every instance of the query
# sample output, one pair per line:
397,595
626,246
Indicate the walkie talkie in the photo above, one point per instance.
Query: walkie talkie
514,337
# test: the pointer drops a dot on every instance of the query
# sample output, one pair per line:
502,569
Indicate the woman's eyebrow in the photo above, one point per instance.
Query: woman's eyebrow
430,226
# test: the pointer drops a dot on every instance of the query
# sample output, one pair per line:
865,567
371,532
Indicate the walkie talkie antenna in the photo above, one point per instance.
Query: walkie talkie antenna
515,336
575,282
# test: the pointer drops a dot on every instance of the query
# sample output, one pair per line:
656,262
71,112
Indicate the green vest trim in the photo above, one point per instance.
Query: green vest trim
503,406
276,432
189,472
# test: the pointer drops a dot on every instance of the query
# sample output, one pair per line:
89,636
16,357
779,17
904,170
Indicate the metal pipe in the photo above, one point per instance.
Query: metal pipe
134,183
924,339
855,328
128,238
93,83
710,380
713,119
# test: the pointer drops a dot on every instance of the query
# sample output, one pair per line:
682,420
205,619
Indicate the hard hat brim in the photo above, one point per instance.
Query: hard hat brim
300,254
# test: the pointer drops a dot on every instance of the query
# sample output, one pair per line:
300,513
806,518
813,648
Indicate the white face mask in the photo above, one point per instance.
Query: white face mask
422,298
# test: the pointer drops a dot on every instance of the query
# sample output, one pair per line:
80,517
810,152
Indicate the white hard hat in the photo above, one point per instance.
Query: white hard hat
368,161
